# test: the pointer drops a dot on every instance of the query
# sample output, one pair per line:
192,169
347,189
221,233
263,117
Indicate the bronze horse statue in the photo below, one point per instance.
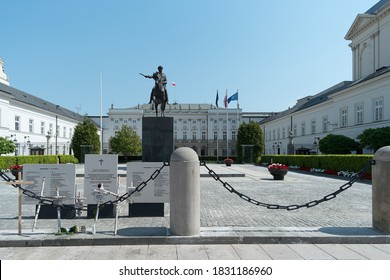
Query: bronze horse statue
159,94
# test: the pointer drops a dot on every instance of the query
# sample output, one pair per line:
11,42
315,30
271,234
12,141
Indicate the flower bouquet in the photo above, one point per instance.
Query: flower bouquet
278,170
15,169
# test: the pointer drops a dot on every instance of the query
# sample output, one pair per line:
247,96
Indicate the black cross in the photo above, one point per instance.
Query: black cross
101,161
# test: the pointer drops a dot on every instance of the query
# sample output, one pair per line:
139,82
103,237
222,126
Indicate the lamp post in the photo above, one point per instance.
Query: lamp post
15,143
316,143
47,142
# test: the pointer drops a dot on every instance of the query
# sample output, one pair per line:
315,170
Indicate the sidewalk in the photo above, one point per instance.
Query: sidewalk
227,221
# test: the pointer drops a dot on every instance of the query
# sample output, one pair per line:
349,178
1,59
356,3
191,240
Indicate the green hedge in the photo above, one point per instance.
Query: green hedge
352,163
7,161
67,159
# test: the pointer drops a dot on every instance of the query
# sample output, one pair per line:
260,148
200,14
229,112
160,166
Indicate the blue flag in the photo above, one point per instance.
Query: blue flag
216,99
233,97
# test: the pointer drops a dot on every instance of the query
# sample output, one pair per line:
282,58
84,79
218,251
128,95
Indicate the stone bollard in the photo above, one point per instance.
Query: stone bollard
381,190
185,192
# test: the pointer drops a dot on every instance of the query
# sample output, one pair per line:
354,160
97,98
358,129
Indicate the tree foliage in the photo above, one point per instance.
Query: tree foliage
85,133
375,138
126,142
337,144
7,146
249,134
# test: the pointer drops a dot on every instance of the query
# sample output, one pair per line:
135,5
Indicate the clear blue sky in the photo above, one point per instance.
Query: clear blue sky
273,52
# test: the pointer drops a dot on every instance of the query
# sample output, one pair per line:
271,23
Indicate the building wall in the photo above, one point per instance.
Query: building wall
361,105
194,126
28,126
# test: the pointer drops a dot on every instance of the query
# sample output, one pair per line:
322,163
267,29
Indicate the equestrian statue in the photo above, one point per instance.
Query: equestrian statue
159,93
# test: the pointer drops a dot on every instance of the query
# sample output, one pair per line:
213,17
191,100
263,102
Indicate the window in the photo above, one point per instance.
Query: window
224,135
194,135
17,123
378,109
283,133
70,132
31,125
344,116
43,128
303,128
313,126
359,113
215,135
184,135
203,135
234,133
175,135
295,130
325,123
64,132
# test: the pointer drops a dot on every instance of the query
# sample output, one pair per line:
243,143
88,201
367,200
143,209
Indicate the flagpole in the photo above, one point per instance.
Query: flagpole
238,110
227,127
101,113
216,103
217,135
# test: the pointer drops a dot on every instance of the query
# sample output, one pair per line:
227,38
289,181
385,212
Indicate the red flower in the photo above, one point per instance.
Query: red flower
18,167
277,166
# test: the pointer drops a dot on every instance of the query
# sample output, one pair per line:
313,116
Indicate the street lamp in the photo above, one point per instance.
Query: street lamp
47,142
15,142
316,143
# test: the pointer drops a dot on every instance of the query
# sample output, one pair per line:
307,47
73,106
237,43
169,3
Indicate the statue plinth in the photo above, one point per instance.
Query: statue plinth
157,146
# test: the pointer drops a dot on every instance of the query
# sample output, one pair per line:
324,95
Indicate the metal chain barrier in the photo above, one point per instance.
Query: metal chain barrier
328,197
54,202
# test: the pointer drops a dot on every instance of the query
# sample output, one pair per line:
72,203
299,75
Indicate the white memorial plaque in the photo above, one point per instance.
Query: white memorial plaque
100,169
61,176
157,190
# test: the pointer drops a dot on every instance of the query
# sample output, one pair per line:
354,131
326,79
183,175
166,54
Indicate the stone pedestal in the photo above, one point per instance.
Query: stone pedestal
157,146
106,211
50,212
157,139
381,190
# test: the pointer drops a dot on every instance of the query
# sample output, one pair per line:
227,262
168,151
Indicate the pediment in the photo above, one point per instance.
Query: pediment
361,22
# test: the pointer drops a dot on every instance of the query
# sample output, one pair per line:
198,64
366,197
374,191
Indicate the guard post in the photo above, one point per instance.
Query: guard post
185,192
381,190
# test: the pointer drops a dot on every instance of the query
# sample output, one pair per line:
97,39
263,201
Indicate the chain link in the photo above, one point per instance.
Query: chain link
291,207
54,202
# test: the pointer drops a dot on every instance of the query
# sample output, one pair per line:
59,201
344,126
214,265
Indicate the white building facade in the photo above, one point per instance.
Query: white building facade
35,125
349,107
207,129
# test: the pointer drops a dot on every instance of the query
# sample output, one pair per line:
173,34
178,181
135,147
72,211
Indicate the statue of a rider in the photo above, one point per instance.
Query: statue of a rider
158,77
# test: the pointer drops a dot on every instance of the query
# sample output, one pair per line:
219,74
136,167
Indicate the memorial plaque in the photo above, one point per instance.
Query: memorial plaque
61,176
100,169
157,190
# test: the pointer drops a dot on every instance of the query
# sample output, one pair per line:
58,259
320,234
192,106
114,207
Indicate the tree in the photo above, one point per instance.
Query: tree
7,146
85,133
249,134
126,142
337,144
375,138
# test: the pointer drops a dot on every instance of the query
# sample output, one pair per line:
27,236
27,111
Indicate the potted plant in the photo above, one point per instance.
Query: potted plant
228,161
278,170
15,169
